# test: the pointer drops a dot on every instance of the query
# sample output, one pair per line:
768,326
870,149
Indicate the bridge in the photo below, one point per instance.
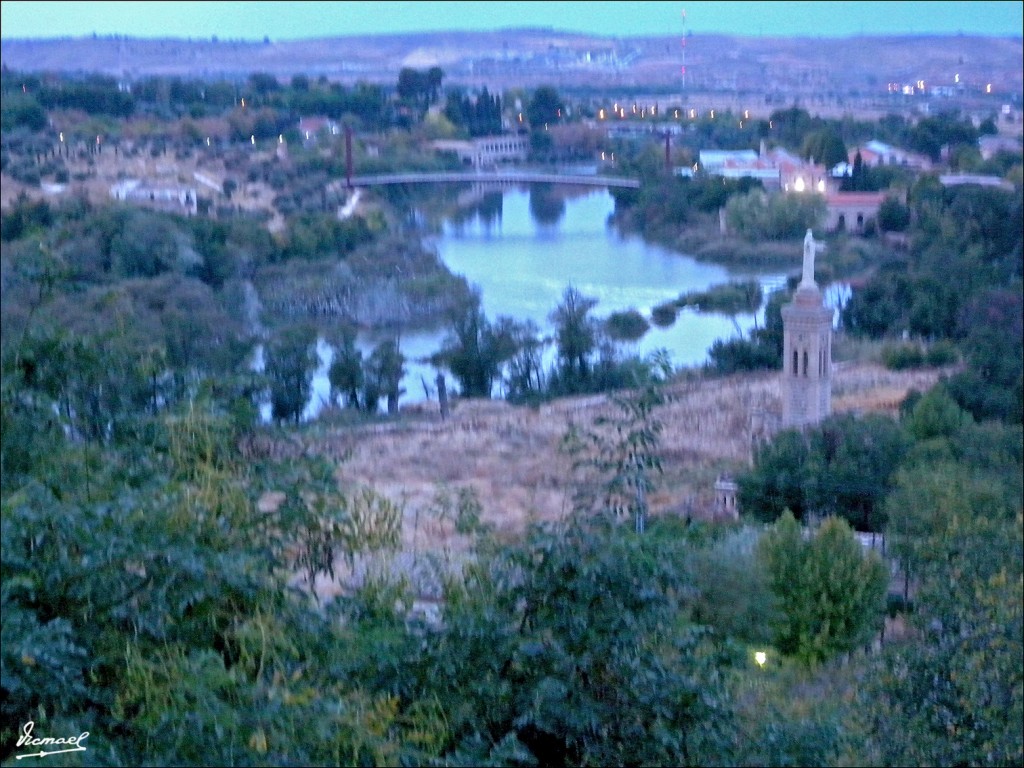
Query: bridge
493,177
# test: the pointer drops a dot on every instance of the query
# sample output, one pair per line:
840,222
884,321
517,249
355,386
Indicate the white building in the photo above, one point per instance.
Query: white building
487,151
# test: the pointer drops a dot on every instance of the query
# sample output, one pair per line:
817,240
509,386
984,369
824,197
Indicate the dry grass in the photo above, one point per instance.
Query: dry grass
511,456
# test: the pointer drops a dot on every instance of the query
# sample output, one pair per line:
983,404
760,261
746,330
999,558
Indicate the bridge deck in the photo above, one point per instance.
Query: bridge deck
504,177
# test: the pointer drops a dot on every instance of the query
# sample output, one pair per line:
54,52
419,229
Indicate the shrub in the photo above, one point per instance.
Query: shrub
941,353
902,356
629,325
664,315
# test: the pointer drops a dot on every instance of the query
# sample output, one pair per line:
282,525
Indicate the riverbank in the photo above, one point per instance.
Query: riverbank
390,285
702,238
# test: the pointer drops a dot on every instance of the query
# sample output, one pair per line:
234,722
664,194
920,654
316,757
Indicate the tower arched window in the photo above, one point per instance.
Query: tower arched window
805,362
795,363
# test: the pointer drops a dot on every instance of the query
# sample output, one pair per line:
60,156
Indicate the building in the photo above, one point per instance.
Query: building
851,211
990,146
876,153
958,179
487,151
807,350
776,169
726,491
168,198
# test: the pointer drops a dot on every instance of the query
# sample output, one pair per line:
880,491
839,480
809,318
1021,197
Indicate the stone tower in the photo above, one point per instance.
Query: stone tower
807,350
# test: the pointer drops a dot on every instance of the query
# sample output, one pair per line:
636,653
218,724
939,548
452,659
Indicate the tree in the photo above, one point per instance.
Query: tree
779,478
955,696
476,349
831,593
383,376
893,216
733,594
851,463
859,179
291,360
993,385
146,600
346,372
576,337
21,111
792,124
628,325
758,216
616,458
825,147
935,415
420,88
263,83
146,245
930,134
544,108
435,75
524,380
567,649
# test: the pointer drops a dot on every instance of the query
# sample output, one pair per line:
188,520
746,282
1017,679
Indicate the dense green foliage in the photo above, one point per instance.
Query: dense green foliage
830,594
759,216
841,467
478,117
956,694
960,281
476,349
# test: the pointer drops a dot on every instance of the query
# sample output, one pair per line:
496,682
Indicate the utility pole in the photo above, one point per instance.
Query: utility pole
348,156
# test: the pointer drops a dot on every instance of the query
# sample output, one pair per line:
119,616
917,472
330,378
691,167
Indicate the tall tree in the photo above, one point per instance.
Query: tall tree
383,376
576,336
544,108
825,147
346,371
831,593
291,360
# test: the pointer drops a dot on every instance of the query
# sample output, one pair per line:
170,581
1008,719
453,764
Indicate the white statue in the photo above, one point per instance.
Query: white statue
810,247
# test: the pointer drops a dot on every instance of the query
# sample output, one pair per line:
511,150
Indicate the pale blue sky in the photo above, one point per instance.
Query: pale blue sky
294,20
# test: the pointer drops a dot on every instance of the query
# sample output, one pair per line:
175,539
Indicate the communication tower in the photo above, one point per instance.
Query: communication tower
682,67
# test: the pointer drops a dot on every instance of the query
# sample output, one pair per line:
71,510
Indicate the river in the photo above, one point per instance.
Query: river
525,254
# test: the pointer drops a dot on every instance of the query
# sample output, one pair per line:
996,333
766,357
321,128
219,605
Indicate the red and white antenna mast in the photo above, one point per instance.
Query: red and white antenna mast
682,68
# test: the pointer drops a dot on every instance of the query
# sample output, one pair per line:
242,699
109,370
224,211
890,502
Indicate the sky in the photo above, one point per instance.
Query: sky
297,20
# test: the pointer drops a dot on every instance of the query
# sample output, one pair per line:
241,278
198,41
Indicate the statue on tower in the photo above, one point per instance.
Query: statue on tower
811,246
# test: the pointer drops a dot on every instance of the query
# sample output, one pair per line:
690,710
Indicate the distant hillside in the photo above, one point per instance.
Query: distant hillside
807,68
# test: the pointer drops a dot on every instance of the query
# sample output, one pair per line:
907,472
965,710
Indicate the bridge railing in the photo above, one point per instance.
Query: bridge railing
524,177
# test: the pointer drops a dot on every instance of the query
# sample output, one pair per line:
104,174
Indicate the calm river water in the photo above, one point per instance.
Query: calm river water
523,265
